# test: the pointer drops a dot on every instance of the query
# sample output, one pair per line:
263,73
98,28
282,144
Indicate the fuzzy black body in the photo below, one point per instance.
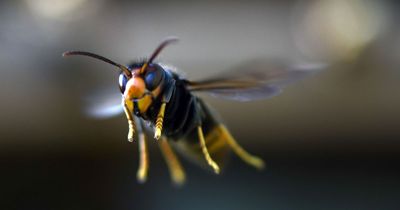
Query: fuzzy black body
184,111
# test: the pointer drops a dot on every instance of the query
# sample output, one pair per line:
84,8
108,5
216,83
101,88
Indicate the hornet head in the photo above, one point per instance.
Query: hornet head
137,80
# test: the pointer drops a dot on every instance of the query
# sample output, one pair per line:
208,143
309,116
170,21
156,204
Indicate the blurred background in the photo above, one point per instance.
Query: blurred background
330,141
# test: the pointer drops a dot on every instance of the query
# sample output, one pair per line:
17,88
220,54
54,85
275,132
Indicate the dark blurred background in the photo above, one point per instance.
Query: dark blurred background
330,141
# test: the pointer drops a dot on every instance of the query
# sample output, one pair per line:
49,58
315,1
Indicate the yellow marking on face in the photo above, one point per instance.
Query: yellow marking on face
145,102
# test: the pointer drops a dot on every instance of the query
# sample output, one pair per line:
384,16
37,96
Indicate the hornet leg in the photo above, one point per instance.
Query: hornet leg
175,168
159,121
141,175
143,169
207,156
245,156
128,107
165,99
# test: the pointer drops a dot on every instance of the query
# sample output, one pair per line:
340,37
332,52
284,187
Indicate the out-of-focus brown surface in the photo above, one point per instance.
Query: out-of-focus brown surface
332,140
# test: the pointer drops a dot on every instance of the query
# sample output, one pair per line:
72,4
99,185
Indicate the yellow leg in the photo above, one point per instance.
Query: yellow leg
207,156
141,175
128,106
175,168
159,121
245,156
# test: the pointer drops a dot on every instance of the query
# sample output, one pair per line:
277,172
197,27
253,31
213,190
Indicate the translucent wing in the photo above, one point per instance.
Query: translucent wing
255,80
103,104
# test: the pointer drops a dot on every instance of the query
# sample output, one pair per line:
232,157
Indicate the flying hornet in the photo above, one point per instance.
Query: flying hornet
156,95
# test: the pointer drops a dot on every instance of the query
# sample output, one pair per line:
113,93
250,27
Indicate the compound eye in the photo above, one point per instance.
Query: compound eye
153,78
122,80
